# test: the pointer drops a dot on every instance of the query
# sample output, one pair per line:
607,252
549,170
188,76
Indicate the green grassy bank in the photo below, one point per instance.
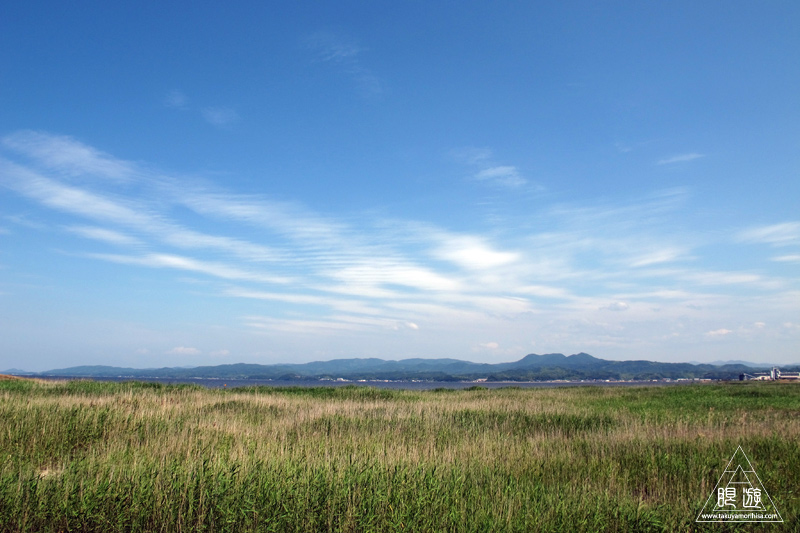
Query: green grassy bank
90,456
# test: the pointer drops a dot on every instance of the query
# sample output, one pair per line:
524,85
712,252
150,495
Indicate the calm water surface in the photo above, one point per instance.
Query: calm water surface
414,385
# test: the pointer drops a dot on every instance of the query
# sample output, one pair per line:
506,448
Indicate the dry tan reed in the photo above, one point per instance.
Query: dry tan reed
361,459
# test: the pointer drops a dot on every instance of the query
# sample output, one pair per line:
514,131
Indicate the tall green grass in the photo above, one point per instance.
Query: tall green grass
90,456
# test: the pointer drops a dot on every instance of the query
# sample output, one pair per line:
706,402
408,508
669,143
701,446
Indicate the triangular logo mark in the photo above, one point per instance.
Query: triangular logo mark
739,495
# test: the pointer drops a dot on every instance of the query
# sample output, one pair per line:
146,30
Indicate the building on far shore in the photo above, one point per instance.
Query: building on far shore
773,375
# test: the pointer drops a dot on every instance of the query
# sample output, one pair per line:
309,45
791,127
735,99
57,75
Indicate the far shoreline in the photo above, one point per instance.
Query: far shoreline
219,383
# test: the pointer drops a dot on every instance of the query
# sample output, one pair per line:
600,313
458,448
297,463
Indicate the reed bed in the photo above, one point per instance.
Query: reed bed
94,456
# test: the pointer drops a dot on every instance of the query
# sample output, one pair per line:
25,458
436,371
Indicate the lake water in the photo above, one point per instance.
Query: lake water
413,385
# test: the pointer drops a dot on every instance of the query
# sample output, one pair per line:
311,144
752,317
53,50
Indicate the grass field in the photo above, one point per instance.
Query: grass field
94,456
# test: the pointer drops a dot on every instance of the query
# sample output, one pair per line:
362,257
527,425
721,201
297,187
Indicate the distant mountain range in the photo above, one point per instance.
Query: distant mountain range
737,362
15,372
554,366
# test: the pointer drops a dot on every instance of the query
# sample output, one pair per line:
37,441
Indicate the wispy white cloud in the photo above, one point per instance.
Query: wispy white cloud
22,220
67,198
183,350
617,306
550,276
502,175
623,147
621,217
488,171
176,99
793,258
783,234
725,278
346,54
680,158
472,155
664,255
669,294
220,116
68,156
328,325
472,253
411,276
284,219
105,235
219,270
332,47
541,291
131,214
719,332
319,298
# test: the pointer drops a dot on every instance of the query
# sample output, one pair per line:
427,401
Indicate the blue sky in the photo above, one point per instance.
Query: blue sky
208,183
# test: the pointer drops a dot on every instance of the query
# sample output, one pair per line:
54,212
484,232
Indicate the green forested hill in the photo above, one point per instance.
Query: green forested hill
530,368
